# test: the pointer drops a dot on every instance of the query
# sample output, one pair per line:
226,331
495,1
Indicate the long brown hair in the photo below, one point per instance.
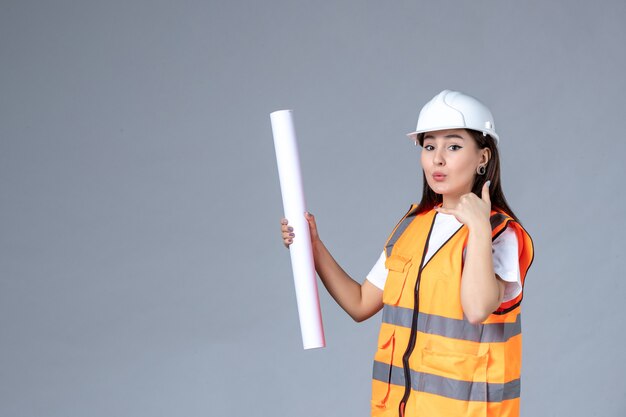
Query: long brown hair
498,201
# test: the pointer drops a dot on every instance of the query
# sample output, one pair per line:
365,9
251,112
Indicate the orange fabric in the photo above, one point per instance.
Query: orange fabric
458,375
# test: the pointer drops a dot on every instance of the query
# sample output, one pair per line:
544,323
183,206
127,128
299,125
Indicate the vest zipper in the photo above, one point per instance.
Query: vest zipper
413,336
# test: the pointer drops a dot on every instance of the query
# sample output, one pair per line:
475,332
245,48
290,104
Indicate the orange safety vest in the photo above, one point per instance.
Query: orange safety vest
432,362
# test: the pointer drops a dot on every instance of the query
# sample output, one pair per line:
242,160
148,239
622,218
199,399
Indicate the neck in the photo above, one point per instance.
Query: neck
450,201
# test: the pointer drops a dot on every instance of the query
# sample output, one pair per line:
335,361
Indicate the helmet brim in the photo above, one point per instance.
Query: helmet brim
414,135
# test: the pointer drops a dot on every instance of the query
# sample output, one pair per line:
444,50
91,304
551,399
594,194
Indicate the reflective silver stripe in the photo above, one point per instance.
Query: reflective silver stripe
399,230
453,328
381,373
448,387
400,316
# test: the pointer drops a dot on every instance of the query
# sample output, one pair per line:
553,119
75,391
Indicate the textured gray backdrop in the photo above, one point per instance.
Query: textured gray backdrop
141,268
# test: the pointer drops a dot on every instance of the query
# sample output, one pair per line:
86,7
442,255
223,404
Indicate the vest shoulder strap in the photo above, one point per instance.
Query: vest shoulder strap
498,222
400,228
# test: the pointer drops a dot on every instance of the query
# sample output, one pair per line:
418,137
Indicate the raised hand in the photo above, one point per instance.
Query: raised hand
471,210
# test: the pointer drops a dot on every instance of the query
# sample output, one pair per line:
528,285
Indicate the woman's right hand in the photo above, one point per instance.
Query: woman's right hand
288,232
359,301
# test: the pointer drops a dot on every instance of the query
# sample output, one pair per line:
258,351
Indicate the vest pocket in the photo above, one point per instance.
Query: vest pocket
383,362
455,365
458,376
398,267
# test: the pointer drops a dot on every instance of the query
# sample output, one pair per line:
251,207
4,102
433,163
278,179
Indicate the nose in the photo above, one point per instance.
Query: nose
438,157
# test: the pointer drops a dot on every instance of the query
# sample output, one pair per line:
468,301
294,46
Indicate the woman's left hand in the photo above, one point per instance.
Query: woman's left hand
471,210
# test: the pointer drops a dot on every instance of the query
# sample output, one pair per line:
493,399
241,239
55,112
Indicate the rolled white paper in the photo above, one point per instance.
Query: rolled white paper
287,158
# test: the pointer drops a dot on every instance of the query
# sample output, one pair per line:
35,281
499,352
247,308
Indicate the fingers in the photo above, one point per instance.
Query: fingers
485,192
287,233
285,226
444,210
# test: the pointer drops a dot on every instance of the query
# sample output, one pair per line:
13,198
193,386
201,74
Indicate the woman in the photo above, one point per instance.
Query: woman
449,280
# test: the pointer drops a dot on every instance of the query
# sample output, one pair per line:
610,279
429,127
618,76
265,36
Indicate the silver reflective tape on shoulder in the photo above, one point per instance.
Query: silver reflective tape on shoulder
398,232
448,387
453,328
496,220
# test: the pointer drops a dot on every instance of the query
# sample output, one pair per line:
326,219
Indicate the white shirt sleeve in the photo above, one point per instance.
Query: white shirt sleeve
505,264
378,274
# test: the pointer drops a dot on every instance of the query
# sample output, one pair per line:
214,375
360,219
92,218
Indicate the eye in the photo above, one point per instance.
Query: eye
428,147
455,147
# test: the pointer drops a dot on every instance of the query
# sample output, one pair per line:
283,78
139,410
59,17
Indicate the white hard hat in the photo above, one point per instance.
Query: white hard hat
454,110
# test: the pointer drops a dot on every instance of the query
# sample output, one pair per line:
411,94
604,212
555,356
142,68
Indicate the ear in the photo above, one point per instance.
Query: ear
485,155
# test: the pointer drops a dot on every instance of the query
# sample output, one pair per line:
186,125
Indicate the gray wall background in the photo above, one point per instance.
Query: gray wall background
141,268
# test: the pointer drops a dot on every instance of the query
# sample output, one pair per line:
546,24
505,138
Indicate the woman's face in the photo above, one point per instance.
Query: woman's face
450,159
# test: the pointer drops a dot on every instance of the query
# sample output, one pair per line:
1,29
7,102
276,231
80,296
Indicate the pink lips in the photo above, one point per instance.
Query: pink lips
438,176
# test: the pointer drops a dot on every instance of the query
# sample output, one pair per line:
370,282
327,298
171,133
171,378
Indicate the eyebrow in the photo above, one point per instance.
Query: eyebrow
453,136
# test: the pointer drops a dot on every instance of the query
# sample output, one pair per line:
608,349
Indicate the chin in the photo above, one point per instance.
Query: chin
438,189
